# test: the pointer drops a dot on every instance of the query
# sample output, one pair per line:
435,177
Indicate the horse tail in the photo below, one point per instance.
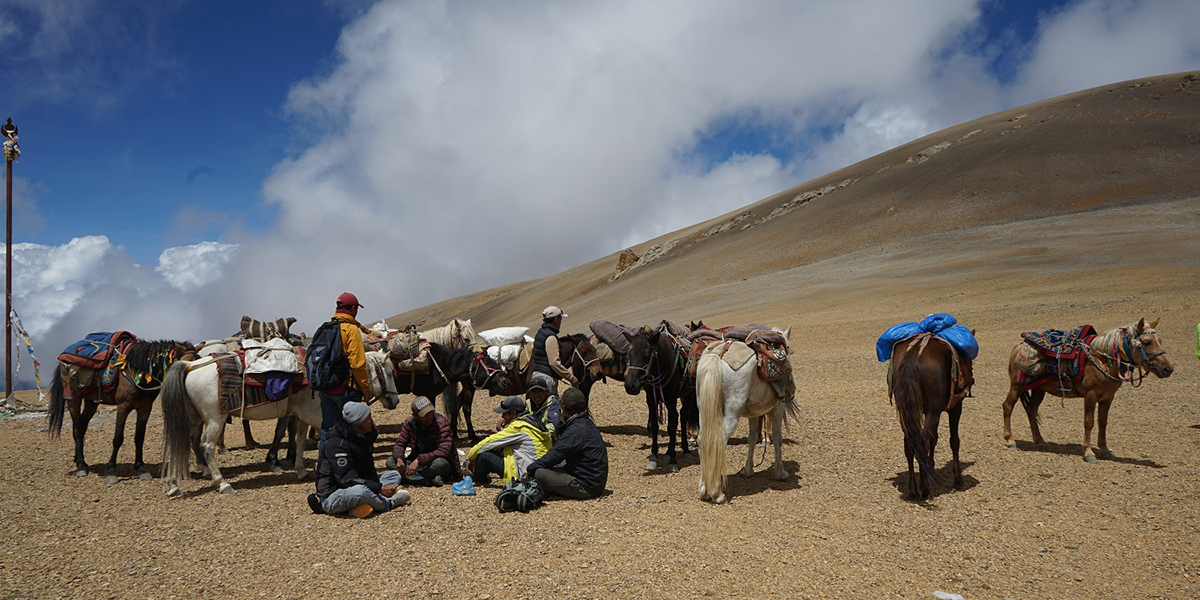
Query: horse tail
177,425
57,403
910,406
1024,396
711,399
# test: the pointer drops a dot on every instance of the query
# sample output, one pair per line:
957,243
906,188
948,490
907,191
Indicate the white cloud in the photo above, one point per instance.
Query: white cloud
190,268
464,145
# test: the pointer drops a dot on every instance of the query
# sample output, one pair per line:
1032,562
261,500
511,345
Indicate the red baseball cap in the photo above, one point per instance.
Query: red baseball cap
347,300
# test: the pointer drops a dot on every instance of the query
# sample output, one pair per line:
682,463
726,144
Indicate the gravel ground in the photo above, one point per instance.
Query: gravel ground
1031,523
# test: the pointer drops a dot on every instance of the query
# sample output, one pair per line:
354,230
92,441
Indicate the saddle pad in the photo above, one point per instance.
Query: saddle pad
612,334
1061,344
418,365
615,367
95,350
754,332
735,354
232,394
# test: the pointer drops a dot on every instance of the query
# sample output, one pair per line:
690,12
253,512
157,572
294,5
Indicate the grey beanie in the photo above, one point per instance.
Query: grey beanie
354,413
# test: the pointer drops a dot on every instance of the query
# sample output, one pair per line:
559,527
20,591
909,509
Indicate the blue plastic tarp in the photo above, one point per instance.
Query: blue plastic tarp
941,325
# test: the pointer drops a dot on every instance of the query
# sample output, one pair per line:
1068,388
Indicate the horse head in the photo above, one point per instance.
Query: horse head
381,373
643,350
696,325
1147,351
486,373
585,354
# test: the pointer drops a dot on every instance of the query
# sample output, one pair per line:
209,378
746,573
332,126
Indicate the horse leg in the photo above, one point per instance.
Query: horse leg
110,470
466,400
955,414
209,438
931,428
672,424
221,448
1031,411
283,425
1102,437
913,491
1089,419
652,428
301,470
250,443
81,414
752,440
139,439
1010,401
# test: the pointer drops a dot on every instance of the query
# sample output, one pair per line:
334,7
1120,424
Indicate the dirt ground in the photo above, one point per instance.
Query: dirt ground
1031,522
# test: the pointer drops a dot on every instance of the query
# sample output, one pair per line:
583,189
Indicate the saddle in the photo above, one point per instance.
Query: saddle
1052,355
96,350
237,389
768,345
736,354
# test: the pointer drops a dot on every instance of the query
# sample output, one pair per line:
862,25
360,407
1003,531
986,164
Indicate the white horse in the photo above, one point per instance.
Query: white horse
458,334
725,396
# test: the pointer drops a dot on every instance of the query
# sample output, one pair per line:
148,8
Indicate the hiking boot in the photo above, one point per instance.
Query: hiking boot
400,498
314,503
360,511
437,481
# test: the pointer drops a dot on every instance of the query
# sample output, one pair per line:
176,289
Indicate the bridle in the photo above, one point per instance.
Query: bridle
489,372
1123,357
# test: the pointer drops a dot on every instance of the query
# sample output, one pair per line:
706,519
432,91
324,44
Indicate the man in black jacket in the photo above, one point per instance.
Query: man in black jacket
580,445
346,478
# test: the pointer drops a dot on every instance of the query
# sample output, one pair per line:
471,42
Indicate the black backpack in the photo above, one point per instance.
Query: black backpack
520,494
326,364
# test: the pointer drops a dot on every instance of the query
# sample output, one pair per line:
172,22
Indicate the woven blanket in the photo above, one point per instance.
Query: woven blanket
231,385
1065,345
612,334
96,350
265,330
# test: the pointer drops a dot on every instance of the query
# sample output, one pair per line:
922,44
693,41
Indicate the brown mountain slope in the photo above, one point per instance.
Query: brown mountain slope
1019,194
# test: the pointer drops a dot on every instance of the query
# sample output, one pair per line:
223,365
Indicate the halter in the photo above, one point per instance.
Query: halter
658,382
490,372
1128,369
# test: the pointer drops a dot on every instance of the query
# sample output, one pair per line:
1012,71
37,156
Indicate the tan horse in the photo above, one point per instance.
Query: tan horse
1123,354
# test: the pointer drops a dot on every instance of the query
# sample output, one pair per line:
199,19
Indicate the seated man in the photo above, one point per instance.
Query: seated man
509,451
432,460
542,405
579,444
346,478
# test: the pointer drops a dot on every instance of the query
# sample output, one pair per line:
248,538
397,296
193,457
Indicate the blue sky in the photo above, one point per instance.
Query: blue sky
188,162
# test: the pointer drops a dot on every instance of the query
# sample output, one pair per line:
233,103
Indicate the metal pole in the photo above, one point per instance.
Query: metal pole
10,135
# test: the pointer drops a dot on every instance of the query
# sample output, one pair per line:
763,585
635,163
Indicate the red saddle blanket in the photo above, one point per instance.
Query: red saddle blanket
96,350
1064,352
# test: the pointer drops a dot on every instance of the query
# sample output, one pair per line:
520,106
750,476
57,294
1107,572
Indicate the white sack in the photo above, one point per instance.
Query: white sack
502,336
275,354
506,355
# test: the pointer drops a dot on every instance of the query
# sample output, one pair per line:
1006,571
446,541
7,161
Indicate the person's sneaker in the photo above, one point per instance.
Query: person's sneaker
314,503
360,511
438,481
400,498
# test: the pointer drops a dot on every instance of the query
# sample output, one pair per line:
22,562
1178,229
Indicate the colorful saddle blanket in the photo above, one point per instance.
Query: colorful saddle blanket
237,390
97,349
1063,355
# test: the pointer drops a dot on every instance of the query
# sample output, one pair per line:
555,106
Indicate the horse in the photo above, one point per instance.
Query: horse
470,367
1122,352
725,395
923,385
149,358
575,352
458,334
192,419
656,363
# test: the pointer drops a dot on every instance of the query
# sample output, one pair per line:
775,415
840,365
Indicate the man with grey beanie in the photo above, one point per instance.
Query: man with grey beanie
347,481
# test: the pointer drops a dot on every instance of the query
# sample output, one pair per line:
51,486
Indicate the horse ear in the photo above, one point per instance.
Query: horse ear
972,333
787,333
653,335
1154,324
1141,325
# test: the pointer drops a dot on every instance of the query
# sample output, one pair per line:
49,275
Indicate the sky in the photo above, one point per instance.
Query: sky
188,162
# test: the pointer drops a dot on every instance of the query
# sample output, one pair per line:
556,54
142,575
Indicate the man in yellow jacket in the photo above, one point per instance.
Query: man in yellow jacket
356,388
511,450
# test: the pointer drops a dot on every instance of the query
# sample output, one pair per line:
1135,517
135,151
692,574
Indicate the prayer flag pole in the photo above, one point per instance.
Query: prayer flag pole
11,152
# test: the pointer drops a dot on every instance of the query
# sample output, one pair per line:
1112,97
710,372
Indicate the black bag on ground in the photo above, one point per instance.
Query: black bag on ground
326,363
520,494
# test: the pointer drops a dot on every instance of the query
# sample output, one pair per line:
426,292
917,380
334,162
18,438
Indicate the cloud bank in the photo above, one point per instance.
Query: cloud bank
465,145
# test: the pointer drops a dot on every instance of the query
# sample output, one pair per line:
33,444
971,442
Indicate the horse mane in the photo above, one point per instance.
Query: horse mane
1107,341
146,356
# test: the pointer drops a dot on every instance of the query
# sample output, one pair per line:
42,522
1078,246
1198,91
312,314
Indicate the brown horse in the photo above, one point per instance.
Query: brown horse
149,359
576,353
924,386
1123,354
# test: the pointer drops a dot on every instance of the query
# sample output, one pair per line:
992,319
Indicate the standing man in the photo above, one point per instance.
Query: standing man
585,470
433,459
547,365
346,478
357,387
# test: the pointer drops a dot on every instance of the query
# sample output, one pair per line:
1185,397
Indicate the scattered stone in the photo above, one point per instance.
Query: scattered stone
947,596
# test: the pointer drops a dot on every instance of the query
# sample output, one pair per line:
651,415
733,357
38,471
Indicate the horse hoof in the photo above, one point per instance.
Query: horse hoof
145,475
720,499
81,473
222,450
111,479
226,488
302,475
672,468
173,491
652,465
276,469
1011,445
1090,459
1106,455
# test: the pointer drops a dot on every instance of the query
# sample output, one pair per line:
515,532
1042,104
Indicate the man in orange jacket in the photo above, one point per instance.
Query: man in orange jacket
357,387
